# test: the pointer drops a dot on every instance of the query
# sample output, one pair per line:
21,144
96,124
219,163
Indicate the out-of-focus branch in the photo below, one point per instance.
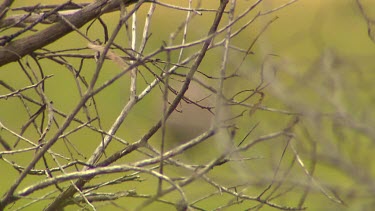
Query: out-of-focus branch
4,7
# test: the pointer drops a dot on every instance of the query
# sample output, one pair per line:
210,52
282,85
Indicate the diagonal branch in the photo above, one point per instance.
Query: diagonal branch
15,50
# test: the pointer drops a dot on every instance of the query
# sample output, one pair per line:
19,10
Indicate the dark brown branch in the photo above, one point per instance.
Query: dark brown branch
15,50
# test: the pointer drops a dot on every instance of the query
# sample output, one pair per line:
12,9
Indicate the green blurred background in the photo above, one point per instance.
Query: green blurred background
324,61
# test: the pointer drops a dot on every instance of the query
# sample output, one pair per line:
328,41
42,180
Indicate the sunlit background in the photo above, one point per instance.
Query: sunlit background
318,58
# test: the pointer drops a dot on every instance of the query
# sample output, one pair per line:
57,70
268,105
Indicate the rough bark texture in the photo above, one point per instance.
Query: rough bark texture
17,49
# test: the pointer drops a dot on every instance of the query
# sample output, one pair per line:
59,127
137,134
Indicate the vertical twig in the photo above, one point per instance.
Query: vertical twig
220,91
133,72
146,29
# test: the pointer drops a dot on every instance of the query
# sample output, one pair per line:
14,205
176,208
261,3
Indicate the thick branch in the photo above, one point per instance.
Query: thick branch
15,50
4,8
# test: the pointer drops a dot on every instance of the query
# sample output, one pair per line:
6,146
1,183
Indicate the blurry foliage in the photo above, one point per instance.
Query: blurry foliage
314,62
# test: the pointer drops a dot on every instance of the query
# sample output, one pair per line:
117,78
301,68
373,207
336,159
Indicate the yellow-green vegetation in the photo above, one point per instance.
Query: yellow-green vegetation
314,61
